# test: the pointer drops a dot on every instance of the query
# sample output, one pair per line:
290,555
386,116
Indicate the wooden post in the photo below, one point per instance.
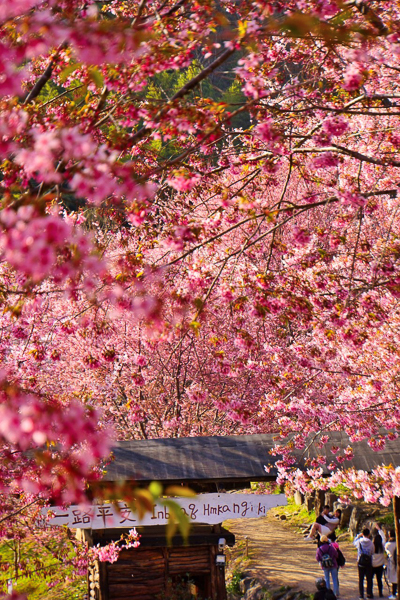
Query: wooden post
165,553
104,592
213,572
396,513
218,587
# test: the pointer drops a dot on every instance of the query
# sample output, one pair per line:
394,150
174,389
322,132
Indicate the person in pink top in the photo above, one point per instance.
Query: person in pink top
327,557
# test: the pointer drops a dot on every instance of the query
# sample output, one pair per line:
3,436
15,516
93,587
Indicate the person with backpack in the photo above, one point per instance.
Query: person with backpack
327,557
365,550
390,549
323,593
378,561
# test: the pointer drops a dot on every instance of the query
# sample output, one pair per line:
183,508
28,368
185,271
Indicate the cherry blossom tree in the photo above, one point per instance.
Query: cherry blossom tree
200,230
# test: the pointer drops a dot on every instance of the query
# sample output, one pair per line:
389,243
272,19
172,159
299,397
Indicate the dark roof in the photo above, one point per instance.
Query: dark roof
238,459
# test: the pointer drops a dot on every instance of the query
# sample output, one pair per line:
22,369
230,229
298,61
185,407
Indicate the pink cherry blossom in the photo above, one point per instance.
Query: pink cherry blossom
353,78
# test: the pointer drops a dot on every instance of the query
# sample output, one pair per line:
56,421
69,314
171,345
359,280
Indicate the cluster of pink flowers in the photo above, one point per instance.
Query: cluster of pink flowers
183,182
353,77
268,133
12,75
19,7
12,124
301,237
196,394
38,246
26,421
335,126
321,8
325,160
111,551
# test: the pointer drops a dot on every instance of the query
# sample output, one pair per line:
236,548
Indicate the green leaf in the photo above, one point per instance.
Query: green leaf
143,501
176,517
170,530
65,73
96,77
177,490
155,489
198,302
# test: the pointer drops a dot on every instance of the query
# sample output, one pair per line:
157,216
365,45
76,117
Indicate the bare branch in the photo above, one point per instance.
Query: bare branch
17,512
188,87
43,79
369,14
41,82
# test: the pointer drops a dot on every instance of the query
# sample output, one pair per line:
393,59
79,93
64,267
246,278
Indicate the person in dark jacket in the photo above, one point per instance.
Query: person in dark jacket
323,593
327,557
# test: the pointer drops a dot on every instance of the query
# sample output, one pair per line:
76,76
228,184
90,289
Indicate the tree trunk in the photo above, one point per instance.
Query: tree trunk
396,512
15,550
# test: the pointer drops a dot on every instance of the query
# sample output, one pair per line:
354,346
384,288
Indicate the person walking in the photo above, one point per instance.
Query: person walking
327,557
365,550
390,549
378,561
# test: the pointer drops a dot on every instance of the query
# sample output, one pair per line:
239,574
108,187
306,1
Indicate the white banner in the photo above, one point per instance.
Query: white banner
205,508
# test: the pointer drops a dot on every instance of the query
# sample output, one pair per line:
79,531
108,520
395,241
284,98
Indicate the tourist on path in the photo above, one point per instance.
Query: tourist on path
323,592
365,550
327,557
340,557
390,549
326,523
378,529
378,561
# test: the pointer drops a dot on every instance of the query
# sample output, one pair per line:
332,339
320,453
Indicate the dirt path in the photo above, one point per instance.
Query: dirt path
280,555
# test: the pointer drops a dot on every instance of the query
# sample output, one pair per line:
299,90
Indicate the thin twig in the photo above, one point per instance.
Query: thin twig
17,512
188,87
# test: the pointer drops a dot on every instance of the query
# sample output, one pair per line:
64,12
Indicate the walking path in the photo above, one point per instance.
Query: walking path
281,556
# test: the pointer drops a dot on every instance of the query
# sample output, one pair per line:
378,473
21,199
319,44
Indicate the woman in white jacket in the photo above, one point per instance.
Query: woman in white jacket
390,548
378,561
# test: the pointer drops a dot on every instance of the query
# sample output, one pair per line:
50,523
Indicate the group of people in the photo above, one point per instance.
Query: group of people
373,549
374,554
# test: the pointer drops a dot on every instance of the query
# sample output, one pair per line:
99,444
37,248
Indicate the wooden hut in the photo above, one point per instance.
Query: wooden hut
158,571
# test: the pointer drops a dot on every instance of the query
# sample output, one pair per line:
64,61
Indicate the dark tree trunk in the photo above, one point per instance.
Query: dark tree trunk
396,512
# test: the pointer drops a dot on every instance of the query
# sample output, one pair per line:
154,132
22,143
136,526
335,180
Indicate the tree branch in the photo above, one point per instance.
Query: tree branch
348,152
188,87
41,82
369,14
17,512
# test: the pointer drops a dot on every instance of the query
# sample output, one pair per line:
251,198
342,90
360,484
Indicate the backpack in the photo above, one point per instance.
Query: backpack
341,561
326,561
365,560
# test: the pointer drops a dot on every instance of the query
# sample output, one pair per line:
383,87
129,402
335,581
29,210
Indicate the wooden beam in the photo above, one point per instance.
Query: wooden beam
396,514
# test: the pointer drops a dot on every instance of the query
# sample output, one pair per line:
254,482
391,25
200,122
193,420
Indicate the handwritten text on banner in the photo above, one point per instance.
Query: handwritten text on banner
205,508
